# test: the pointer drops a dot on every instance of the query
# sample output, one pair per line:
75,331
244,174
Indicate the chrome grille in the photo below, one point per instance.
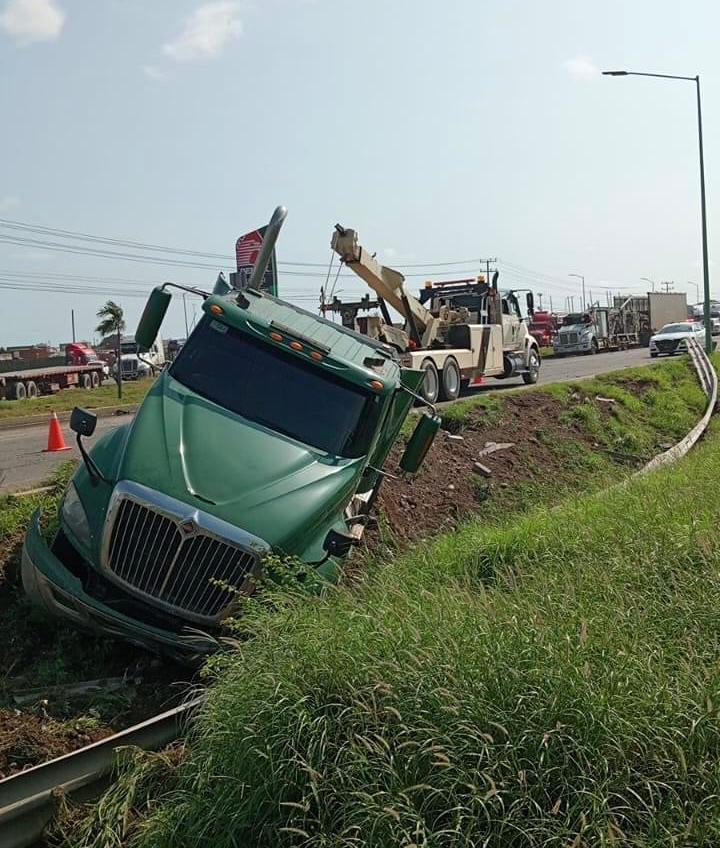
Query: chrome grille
569,338
151,552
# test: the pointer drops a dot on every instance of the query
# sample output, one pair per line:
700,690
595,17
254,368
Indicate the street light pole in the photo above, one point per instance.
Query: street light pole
697,290
580,277
648,280
703,212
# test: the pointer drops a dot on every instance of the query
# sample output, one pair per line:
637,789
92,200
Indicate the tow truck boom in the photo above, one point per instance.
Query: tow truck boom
386,282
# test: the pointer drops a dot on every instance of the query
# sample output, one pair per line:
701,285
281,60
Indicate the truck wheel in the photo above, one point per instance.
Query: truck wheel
31,389
95,378
17,391
450,383
593,347
85,381
533,372
430,388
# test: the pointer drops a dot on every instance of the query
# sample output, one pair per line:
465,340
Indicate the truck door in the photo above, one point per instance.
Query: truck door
511,322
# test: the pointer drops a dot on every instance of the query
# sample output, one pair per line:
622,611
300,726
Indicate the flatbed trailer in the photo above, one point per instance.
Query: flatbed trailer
31,382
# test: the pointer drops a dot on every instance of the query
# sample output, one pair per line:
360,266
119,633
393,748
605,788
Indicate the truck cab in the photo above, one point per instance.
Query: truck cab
267,433
135,365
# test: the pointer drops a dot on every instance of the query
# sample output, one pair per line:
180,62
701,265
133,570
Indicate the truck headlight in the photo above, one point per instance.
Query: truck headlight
73,513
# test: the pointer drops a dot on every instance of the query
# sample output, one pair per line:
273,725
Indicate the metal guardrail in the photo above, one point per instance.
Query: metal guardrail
709,381
28,800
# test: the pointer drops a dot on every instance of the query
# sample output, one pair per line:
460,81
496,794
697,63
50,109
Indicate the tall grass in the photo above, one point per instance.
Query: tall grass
551,682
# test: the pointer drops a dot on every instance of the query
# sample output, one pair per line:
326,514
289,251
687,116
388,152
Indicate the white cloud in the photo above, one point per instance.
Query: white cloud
206,32
154,73
8,203
581,68
32,20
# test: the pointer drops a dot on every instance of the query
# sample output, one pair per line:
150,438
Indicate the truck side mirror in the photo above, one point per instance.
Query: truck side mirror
83,422
530,301
419,443
151,319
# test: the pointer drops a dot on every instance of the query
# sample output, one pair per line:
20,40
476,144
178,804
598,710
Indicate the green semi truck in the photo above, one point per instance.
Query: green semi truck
267,433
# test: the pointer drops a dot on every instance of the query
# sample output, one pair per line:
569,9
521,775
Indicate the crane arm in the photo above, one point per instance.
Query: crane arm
386,282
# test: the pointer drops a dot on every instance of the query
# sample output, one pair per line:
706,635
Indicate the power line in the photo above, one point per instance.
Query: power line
56,232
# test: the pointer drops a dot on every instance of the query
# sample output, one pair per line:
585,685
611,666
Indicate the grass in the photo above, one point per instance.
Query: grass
551,682
15,512
554,682
133,392
37,650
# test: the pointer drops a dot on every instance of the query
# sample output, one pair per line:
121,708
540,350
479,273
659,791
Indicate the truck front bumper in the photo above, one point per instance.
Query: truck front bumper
583,347
50,584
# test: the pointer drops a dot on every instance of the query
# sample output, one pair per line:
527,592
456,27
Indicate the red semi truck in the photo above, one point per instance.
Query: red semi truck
79,366
543,327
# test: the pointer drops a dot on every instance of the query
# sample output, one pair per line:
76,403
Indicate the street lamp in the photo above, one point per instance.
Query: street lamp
580,277
648,280
697,290
703,214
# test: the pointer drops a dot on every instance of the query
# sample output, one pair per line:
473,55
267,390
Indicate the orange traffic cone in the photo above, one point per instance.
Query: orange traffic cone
56,440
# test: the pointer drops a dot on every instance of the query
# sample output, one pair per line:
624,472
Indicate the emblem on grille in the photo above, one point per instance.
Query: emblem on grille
188,527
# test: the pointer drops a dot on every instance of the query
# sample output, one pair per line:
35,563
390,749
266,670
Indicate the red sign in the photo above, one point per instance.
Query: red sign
247,249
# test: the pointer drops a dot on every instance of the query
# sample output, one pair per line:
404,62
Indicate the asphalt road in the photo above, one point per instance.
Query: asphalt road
23,465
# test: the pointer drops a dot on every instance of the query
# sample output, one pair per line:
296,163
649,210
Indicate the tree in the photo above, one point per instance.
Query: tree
113,322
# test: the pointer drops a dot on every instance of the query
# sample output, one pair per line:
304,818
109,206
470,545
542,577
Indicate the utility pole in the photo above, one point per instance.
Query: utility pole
487,268
72,318
540,297
187,332
581,277
667,286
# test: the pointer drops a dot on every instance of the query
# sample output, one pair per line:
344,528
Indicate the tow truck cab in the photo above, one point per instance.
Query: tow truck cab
268,432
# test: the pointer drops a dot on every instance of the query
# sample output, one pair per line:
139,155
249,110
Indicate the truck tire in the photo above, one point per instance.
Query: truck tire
17,391
451,381
85,381
31,389
531,375
430,388
95,378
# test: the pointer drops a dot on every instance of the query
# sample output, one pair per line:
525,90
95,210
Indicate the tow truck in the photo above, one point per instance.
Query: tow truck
458,332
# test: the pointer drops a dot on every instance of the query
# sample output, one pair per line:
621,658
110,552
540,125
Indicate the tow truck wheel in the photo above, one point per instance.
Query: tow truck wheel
95,379
430,388
85,381
31,389
533,372
450,383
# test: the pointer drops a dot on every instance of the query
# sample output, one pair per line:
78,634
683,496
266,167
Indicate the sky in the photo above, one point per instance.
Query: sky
442,133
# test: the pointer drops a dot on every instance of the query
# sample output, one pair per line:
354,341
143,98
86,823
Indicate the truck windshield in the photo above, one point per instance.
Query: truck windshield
677,328
277,390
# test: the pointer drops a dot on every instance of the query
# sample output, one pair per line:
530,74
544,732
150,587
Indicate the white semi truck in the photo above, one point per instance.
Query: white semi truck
458,332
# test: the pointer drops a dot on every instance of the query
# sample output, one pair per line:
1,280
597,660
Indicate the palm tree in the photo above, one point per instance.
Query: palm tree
112,322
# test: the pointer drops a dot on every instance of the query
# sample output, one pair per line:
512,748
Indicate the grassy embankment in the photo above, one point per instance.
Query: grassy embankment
37,651
133,392
579,442
550,681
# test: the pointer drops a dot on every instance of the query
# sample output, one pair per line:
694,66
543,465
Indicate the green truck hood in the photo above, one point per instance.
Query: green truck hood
259,480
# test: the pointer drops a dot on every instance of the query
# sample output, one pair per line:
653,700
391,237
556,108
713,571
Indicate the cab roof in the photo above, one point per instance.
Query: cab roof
341,342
